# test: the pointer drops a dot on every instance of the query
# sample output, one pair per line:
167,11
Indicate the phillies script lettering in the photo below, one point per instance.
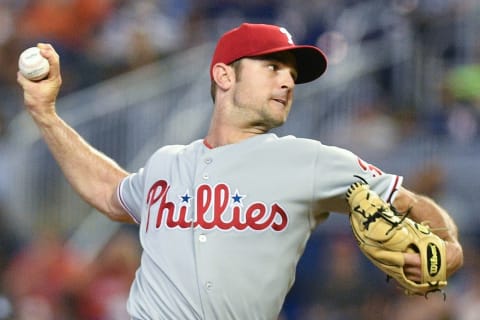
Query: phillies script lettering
214,207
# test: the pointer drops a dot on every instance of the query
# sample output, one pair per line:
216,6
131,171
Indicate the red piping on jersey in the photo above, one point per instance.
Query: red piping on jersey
124,204
394,189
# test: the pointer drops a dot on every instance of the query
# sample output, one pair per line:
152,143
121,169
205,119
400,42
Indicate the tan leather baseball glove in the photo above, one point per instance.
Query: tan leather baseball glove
383,236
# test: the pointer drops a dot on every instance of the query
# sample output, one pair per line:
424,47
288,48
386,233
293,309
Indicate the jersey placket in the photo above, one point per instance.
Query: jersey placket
201,239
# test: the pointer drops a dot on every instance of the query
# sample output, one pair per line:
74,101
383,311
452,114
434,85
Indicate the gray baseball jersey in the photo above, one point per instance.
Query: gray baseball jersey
223,229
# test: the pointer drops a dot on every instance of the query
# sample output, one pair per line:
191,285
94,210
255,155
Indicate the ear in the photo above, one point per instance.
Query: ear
223,75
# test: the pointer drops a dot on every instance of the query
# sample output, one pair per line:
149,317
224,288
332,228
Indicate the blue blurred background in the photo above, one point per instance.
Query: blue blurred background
402,91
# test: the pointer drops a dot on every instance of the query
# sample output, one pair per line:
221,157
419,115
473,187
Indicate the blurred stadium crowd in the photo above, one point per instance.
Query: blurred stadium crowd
43,279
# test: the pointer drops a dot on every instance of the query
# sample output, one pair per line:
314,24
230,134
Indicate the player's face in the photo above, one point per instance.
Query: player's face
263,90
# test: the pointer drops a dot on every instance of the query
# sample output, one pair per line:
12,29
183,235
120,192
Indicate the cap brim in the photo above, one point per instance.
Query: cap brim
311,61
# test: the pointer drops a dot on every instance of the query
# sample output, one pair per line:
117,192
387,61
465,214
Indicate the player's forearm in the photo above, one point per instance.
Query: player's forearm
92,175
424,209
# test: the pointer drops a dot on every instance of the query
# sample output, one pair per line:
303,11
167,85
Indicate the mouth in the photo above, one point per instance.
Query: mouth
281,101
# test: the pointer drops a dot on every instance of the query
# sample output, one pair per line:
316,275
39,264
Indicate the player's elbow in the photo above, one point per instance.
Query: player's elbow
115,212
117,215
112,208
124,218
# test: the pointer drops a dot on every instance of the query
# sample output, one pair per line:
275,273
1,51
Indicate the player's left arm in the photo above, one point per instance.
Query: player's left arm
424,209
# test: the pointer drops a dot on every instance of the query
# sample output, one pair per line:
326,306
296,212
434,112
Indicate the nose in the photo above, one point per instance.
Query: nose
287,79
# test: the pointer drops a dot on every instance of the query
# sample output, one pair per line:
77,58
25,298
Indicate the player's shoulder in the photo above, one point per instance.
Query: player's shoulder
290,140
308,143
307,146
176,149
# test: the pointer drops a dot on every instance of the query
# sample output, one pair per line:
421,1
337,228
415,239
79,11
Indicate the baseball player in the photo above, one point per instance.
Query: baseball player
224,220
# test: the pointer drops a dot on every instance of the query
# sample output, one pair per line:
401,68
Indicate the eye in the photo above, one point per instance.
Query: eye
273,66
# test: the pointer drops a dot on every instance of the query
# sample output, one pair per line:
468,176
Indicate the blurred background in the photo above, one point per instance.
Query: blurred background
402,91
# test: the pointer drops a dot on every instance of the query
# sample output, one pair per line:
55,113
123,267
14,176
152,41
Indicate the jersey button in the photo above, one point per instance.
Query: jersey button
202,238
208,285
205,176
208,160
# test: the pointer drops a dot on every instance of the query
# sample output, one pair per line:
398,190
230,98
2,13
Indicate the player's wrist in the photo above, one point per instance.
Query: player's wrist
45,118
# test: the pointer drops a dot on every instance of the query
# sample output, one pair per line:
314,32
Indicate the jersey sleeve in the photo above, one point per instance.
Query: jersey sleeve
130,193
337,169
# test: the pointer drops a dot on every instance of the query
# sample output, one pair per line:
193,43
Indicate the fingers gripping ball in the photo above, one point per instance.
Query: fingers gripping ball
33,65
383,236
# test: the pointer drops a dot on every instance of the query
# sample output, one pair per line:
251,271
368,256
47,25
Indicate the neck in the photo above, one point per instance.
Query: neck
221,136
223,132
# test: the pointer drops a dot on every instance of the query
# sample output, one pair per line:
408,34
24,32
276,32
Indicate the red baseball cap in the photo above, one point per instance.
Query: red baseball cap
250,40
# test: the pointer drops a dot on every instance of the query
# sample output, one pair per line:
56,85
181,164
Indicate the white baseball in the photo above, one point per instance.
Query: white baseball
33,65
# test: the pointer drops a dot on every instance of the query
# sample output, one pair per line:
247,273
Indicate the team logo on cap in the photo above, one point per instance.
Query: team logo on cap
289,36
